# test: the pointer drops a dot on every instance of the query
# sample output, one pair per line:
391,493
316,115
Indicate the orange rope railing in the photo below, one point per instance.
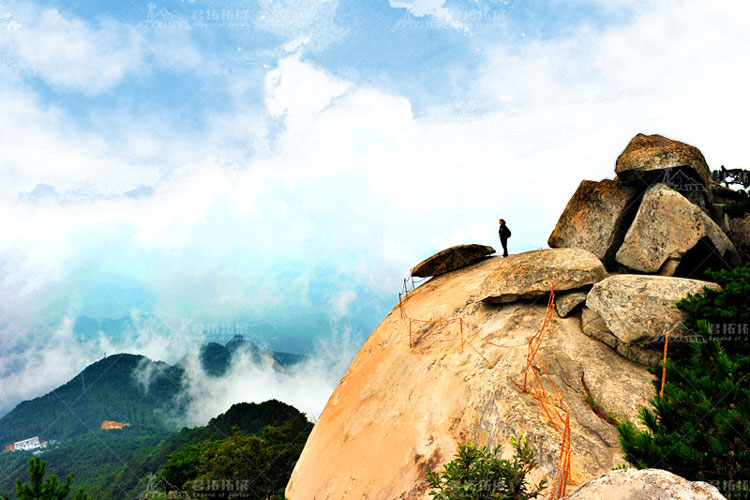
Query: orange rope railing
664,365
531,384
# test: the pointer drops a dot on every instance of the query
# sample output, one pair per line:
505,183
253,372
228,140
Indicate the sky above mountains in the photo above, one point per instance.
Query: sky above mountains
278,166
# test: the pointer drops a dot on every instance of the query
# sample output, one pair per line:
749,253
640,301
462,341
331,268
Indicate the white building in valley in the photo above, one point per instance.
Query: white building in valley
28,444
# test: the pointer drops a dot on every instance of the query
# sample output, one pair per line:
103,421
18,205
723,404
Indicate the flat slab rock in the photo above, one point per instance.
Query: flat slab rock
639,309
646,484
567,301
645,155
594,326
529,275
451,259
666,227
596,218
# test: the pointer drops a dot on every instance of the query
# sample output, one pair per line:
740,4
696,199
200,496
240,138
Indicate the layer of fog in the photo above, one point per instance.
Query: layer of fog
35,363
351,180
306,385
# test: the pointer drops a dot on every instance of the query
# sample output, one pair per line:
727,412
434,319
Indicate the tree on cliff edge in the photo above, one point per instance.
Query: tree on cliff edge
700,427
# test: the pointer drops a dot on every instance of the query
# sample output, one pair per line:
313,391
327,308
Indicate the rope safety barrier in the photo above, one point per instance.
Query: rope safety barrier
664,365
532,380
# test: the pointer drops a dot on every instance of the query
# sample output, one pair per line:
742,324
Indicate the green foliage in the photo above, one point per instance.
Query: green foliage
739,207
738,200
182,465
250,418
700,428
729,194
93,459
39,488
116,464
477,474
251,466
722,314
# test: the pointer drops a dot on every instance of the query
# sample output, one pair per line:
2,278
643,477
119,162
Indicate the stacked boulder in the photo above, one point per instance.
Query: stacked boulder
624,250
444,366
655,226
656,216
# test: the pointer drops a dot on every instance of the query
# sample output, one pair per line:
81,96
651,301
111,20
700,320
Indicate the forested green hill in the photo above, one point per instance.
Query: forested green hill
105,390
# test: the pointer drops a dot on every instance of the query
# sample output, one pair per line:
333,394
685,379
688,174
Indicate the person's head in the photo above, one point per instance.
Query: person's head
501,222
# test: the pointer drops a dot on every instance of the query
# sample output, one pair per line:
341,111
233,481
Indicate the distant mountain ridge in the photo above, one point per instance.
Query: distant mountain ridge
109,390
217,359
104,390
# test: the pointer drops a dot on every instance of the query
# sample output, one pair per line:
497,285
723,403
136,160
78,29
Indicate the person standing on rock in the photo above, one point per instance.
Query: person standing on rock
504,233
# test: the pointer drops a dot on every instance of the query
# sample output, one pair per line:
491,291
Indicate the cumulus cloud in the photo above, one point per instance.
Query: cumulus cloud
70,53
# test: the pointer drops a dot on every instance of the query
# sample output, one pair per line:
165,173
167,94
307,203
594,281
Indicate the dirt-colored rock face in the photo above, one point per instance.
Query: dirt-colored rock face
647,157
529,275
639,309
646,484
596,218
668,226
451,259
399,410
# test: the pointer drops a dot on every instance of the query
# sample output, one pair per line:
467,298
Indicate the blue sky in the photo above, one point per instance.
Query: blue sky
282,164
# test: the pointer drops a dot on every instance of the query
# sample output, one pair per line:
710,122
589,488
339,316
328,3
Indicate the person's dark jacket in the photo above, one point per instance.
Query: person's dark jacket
504,232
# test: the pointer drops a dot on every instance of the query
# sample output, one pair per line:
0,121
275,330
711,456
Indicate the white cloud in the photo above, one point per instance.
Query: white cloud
694,52
433,8
308,21
419,7
342,302
366,188
42,145
71,53
33,362
284,96
306,386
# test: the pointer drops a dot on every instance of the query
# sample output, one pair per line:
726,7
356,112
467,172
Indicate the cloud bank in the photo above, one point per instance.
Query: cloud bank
295,197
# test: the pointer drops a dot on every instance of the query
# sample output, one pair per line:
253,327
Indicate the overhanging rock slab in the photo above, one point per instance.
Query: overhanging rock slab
529,275
451,259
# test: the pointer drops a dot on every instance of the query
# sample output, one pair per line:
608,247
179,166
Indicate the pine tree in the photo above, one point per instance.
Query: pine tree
478,474
700,427
40,489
